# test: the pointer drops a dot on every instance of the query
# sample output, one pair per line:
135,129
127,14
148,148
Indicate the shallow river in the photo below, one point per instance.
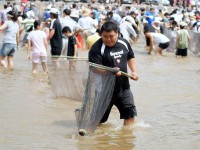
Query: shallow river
166,95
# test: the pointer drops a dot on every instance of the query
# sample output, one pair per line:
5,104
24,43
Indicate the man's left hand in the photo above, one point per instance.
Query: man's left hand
135,76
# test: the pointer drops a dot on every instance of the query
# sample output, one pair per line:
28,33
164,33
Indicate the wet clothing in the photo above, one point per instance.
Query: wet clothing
8,49
116,56
123,100
160,40
182,42
71,43
56,40
9,39
181,52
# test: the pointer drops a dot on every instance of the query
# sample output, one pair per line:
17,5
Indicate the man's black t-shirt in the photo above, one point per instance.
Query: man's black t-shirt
116,56
56,40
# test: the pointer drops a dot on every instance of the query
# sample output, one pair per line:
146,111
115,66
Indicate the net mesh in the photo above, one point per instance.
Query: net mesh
172,37
98,93
194,45
68,77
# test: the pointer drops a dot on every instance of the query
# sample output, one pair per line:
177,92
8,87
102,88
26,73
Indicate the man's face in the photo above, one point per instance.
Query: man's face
51,16
152,11
109,38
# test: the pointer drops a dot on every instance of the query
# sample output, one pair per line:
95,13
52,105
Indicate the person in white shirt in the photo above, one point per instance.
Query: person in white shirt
75,13
127,30
38,40
159,40
10,40
87,24
68,21
30,14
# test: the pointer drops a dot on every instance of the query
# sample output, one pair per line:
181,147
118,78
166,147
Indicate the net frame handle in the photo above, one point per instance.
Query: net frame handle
110,69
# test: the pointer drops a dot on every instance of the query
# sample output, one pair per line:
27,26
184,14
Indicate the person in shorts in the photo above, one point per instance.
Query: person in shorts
158,41
182,40
37,39
10,40
55,34
114,51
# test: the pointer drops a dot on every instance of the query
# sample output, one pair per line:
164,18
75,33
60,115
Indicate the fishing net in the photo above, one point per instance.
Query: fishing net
98,94
68,76
172,37
194,45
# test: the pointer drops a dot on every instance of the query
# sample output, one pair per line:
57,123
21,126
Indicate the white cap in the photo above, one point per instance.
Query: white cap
157,20
54,11
130,19
183,24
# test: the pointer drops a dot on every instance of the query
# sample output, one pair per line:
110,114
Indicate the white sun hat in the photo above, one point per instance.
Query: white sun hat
54,11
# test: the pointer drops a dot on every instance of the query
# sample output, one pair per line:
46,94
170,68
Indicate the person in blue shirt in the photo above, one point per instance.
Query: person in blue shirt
150,15
47,14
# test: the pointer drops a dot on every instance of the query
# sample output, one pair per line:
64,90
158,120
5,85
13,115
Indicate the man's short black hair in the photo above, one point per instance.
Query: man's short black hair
131,13
151,9
110,26
66,29
67,11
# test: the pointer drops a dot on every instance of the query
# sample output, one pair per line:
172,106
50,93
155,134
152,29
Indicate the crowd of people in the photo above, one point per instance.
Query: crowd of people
85,21
69,27
109,32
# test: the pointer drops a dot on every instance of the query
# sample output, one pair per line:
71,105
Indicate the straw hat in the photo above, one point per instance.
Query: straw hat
86,12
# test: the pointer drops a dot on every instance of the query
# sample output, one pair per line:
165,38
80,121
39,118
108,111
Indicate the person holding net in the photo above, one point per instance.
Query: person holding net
115,52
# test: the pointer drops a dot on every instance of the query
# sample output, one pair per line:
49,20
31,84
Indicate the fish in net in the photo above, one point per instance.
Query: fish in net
68,76
98,95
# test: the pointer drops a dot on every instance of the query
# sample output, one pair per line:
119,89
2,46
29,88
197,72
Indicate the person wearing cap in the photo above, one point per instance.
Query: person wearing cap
126,29
47,13
10,40
87,24
55,33
158,25
182,40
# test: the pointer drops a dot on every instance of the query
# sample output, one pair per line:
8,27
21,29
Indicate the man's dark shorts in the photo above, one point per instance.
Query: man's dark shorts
124,101
56,51
164,45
